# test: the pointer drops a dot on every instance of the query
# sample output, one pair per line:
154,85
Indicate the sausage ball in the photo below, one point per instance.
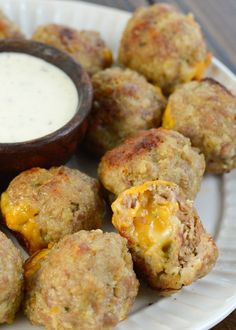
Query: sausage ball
42,206
86,281
164,45
150,155
87,47
168,243
8,29
205,112
124,103
11,279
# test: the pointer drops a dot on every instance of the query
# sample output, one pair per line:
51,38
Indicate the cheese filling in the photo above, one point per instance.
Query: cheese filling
147,223
21,219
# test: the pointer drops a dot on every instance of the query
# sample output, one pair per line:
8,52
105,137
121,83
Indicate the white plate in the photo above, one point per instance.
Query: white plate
209,300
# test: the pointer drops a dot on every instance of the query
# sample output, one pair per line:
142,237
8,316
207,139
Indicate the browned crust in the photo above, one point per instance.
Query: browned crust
214,82
85,46
205,112
164,45
133,147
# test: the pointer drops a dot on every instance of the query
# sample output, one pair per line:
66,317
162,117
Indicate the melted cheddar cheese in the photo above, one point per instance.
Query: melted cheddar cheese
148,223
107,56
168,121
198,70
21,218
152,224
33,264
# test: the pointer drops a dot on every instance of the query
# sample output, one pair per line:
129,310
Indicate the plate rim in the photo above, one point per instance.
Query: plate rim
231,304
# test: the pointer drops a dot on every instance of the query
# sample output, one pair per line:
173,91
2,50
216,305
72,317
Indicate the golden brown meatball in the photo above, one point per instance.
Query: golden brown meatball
87,47
11,279
205,112
165,46
86,281
8,29
150,155
42,206
168,243
124,103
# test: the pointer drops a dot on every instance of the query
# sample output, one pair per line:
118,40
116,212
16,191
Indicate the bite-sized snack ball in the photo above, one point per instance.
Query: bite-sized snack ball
164,45
168,243
87,47
151,155
11,279
205,112
8,29
42,206
124,103
86,281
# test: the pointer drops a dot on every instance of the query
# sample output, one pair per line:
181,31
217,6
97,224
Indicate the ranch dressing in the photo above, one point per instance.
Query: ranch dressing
36,97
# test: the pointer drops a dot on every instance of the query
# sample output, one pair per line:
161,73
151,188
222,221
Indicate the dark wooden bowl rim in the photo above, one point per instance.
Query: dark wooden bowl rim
73,69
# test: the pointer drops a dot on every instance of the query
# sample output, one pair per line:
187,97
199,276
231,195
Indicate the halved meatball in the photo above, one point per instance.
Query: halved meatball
87,47
124,103
8,29
11,279
86,281
164,45
168,243
42,206
150,155
205,111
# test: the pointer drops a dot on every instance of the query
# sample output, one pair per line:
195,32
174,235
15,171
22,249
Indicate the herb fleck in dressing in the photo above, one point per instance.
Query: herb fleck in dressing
36,97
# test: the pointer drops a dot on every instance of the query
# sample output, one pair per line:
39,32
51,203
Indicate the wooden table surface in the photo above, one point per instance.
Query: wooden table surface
218,21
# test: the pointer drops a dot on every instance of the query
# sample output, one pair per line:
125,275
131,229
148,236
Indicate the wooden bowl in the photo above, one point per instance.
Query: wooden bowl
57,147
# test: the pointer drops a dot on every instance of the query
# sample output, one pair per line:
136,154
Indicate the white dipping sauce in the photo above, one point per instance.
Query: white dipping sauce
36,97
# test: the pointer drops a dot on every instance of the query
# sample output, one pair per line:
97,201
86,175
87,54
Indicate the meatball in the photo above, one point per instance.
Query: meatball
86,281
42,206
87,47
168,243
11,279
205,112
124,103
150,155
8,29
164,45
